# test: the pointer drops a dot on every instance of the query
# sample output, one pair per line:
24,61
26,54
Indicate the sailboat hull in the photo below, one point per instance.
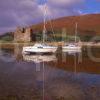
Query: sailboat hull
39,49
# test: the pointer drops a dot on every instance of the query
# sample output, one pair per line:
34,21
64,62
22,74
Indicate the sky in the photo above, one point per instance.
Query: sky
14,13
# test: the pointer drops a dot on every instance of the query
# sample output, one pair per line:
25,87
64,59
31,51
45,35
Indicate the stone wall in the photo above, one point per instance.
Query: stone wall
22,35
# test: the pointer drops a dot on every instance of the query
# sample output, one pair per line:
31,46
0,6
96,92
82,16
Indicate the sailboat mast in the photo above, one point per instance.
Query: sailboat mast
44,23
75,32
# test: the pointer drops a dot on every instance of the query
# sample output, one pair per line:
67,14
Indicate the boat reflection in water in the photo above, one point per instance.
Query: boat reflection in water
73,52
39,58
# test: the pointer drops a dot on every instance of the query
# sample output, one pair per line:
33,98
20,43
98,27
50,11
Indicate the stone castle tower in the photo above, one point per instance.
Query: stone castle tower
22,35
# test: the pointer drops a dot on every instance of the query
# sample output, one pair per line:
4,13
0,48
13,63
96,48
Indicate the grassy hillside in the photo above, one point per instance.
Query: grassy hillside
6,37
88,26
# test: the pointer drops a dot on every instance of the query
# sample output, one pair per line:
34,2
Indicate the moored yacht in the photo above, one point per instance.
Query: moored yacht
72,47
76,47
39,48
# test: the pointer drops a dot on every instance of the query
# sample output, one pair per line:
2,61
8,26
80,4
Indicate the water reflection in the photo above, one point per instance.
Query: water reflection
64,76
73,52
7,56
65,61
39,58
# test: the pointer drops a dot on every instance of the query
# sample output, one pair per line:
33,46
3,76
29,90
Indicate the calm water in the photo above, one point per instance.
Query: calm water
64,76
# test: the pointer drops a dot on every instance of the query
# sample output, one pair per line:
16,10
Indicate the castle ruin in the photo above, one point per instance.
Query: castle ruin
22,35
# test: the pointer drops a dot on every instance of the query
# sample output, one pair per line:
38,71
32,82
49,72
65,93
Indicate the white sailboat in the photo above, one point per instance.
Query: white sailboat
74,47
41,47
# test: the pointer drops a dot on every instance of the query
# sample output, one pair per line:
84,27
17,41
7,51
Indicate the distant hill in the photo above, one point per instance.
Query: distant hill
7,36
86,24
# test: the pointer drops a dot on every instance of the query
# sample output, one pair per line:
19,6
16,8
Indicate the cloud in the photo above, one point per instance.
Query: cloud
98,0
65,3
18,13
62,8
15,13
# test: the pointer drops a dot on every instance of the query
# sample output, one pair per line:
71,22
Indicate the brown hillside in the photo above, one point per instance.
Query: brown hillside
86,24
